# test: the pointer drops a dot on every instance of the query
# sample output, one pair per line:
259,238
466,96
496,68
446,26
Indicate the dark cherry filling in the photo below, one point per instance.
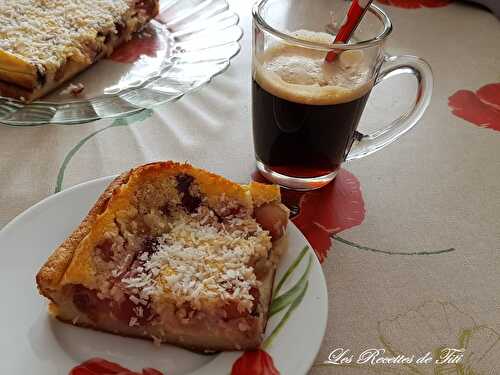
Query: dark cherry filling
254,292
104,250
126,310
142,228
91,50
232,211
149,246
106,36
120,28
232,312
190,202
184,181
87,302
231,308
272,218
41,77
165,210
148,6
82,300
59,74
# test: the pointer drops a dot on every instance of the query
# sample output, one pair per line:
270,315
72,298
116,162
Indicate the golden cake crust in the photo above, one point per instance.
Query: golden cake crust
88,289
71,261
54,268
264,193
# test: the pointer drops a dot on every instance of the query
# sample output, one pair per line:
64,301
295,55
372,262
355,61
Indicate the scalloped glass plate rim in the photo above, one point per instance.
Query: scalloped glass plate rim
53,109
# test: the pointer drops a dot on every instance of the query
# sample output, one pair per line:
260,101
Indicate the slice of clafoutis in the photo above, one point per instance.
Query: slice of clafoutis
174,254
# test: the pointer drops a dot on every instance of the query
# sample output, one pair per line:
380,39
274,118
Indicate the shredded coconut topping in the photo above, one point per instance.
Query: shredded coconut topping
46,32
202,264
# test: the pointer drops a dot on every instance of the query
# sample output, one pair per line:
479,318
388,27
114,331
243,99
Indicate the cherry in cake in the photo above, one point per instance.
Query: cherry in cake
174,254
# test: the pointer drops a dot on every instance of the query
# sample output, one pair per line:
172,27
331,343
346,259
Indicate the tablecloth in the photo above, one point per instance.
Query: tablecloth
409,237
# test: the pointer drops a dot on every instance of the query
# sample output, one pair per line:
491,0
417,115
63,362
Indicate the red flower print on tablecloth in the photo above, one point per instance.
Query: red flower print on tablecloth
321,213
144,43
256,362
99,366
482,108
414,4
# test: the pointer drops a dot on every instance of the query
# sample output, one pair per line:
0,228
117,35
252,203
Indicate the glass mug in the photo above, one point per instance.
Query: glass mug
305,111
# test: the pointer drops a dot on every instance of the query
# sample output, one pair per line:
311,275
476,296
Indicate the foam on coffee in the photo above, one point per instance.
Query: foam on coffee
301,75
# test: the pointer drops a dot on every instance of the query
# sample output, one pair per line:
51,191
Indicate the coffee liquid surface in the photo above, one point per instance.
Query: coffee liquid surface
301,75
305,111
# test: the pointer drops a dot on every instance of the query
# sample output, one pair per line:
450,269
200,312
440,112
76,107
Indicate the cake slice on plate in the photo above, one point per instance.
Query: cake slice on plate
174,254
45,43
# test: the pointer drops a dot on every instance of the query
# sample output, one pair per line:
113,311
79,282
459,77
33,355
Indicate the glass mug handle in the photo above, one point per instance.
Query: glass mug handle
367,144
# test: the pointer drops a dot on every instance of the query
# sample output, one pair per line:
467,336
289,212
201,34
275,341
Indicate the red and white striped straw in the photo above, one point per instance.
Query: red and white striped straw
349,24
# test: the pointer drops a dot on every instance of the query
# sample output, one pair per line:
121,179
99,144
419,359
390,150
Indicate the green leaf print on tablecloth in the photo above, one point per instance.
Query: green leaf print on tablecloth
122,121
292,298
433,327
260,361
390,252
322,214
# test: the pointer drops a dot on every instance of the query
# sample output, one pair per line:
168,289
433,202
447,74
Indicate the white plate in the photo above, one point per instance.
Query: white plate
33,343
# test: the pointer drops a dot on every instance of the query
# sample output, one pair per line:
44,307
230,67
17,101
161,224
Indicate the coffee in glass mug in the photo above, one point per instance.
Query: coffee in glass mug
305,111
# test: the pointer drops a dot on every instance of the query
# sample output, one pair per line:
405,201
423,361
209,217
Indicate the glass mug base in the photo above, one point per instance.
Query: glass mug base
295,183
